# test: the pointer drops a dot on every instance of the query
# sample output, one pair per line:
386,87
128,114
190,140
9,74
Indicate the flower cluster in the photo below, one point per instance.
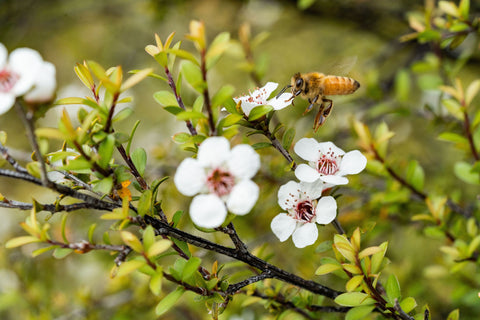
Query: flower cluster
24,73
260,96
303,201
220,178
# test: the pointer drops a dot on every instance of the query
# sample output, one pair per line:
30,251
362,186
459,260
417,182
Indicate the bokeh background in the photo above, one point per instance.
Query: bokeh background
358,38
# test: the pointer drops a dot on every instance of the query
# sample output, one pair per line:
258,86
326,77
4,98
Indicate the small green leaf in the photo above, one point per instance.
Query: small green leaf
130,266
464,172
449,8
219,45
103,186
232,119
193,75
139,159
393,289
472,91
145,203
38,252
359,313
354,282
287,138
156,282
20,241
132,241
182,137
454,107
190,115
159,247
165,98
354,299
169,301
105,150
122,114
408,304
190,268
61,253
148,237
222,95
402,85
136,78
454,315
415,175
464,8
261,145
259,112
304,4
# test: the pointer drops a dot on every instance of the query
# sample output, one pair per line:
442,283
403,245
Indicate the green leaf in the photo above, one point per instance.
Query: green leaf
103,186
359,313
169,301
304,4
449,8
132,241
49,133
145,203
464,172
219,45
259,111
454,315
76,165
402,85
185,55
20,241
454,107
105,150
224,94
464,8
159,247
148,237
136,78
61,253
156,282
287,138
165,98
453,137
354,282
130,266
193,75
190,115
190,268
261,145
231,119
408,304
34,169
393,289
472,91
415,175
38,252
354,299
139,159
122,114
3,137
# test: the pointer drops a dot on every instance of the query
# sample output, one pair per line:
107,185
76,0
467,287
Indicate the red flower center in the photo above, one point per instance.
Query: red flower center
7,80
329,163
305,212
220,182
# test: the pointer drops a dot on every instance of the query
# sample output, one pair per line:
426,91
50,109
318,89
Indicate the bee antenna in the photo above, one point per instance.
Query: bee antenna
282,91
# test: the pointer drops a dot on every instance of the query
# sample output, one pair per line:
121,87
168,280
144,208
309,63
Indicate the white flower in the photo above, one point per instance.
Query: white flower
222,179
303,211
327,162
259,97
25,73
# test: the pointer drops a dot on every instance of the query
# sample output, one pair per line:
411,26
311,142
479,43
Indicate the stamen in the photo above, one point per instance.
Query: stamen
7,80
220,182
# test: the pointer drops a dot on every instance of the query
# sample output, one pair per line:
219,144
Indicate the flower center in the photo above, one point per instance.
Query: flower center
220,182
305,211
7,80
329,163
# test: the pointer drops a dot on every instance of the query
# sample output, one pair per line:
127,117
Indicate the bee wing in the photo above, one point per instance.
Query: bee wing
341,66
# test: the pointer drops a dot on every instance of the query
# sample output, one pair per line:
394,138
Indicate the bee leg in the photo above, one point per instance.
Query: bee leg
323,113
312,103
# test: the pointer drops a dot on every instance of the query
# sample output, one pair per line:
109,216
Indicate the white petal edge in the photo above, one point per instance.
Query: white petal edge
213,151
353,162
25,62
305,235
243,162
3,56
326,210
44,86
285,192
207,211
283,226
7,100
329,146
307,149
312,190
243,197
306,173
190,177
283,101
334,180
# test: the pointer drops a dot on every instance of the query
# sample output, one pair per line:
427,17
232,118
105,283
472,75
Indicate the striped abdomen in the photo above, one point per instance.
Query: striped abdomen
335,85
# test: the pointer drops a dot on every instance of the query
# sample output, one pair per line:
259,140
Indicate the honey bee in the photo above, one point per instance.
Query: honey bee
314,86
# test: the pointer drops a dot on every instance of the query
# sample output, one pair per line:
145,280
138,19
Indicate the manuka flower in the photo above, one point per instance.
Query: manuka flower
327,162
259,98
221,180
24,74
305,207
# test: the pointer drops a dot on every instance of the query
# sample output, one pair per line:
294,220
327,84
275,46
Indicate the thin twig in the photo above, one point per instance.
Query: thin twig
11,160
206,95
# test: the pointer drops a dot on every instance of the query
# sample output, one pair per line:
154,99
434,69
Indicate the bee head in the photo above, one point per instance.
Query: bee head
297,84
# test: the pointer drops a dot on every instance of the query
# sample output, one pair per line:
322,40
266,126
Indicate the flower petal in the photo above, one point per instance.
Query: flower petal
3,55
283,226
44,86
208,211
328,146
190,177
267,89
283,101
312,190
334,180
243,197
7,100
306,173
243,162
352,163
247,107
213,152
326,210
305,235
307,149
288,195
26,63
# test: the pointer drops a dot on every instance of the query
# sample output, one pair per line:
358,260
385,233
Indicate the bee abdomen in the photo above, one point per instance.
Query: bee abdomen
335,85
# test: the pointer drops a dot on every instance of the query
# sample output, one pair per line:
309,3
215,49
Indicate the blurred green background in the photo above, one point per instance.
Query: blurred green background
326,37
